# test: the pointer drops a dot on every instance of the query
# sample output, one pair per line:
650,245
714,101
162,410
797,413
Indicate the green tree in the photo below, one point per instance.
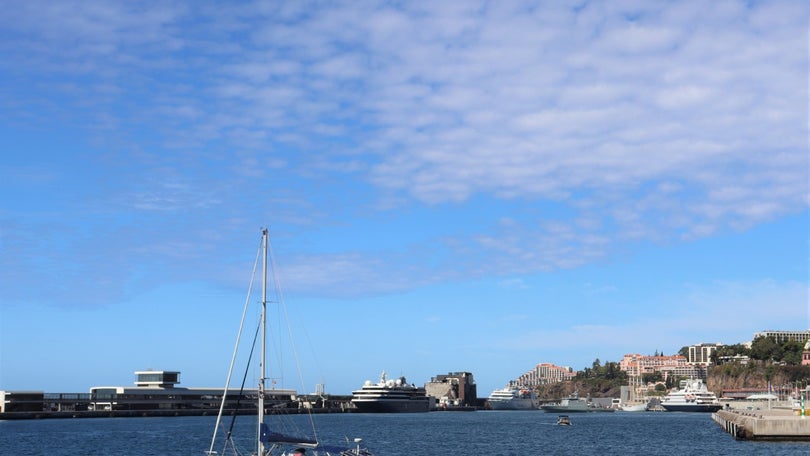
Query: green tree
766,349
733,350
796,373
652,377
730,351
674,380
769,371
611,370
601,378
792,352
585,373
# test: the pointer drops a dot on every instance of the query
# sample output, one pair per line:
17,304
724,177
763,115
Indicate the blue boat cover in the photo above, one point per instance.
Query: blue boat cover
268,436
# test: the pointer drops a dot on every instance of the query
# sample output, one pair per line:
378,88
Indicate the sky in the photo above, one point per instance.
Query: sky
449,186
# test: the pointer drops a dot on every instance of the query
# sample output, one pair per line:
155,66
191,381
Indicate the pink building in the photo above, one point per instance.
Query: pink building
545,373
636,365
806,354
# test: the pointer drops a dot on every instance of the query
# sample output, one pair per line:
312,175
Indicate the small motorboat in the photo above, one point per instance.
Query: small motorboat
563,420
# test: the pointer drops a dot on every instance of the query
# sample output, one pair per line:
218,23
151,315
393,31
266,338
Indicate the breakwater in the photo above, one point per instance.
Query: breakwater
36,415
768,425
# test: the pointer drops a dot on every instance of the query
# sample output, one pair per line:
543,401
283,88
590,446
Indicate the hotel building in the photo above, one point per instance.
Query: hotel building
545,373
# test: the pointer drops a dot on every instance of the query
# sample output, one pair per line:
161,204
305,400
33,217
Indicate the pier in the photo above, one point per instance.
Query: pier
157,412
156,394
778,424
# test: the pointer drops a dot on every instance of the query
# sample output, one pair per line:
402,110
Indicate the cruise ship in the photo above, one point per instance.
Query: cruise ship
691,396
390,396
513,398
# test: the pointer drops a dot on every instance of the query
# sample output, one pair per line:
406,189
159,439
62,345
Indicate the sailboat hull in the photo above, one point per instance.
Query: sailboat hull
633,408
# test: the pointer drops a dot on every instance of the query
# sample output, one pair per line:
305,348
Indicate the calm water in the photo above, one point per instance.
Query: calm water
495,433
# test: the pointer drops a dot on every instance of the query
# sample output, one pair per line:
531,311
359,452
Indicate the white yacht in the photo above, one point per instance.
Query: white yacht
635,407
390,396
513,398
691,396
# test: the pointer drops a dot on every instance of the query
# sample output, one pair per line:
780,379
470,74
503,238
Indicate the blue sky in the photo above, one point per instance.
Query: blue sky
456,185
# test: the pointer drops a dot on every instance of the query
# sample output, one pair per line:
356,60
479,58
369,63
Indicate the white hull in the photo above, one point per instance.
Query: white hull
513,404
512,398
692,396
633,408
390,396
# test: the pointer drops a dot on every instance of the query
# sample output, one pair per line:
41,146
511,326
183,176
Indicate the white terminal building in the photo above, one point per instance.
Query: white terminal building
153,390
158,390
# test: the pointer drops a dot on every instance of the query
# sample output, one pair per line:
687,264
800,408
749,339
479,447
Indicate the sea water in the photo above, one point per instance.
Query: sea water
495,433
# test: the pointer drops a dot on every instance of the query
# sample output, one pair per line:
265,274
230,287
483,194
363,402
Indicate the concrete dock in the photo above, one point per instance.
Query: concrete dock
777,424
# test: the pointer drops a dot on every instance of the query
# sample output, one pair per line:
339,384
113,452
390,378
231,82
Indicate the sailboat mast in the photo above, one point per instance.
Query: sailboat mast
262,375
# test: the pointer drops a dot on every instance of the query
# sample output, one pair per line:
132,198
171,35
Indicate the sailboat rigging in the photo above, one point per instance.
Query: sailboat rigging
269,442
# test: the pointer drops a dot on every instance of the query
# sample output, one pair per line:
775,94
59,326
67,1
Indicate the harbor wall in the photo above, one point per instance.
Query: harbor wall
770,425
153,413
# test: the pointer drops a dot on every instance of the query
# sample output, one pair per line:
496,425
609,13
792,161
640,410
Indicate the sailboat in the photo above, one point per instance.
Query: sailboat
634,402
266,441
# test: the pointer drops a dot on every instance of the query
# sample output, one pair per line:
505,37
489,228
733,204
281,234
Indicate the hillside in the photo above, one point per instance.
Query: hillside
755,374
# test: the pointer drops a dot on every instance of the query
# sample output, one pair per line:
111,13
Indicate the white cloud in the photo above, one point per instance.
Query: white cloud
642,121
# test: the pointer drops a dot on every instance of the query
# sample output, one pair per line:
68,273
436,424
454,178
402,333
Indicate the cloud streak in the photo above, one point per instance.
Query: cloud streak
513,181
663,122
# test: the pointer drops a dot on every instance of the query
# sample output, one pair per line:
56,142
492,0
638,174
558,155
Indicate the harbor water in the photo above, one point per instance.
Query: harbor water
492,433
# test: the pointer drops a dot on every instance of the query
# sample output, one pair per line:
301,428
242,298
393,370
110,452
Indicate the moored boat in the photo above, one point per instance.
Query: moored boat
513,398
691,396
638,407
390,396
574,404
631,400
267,441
